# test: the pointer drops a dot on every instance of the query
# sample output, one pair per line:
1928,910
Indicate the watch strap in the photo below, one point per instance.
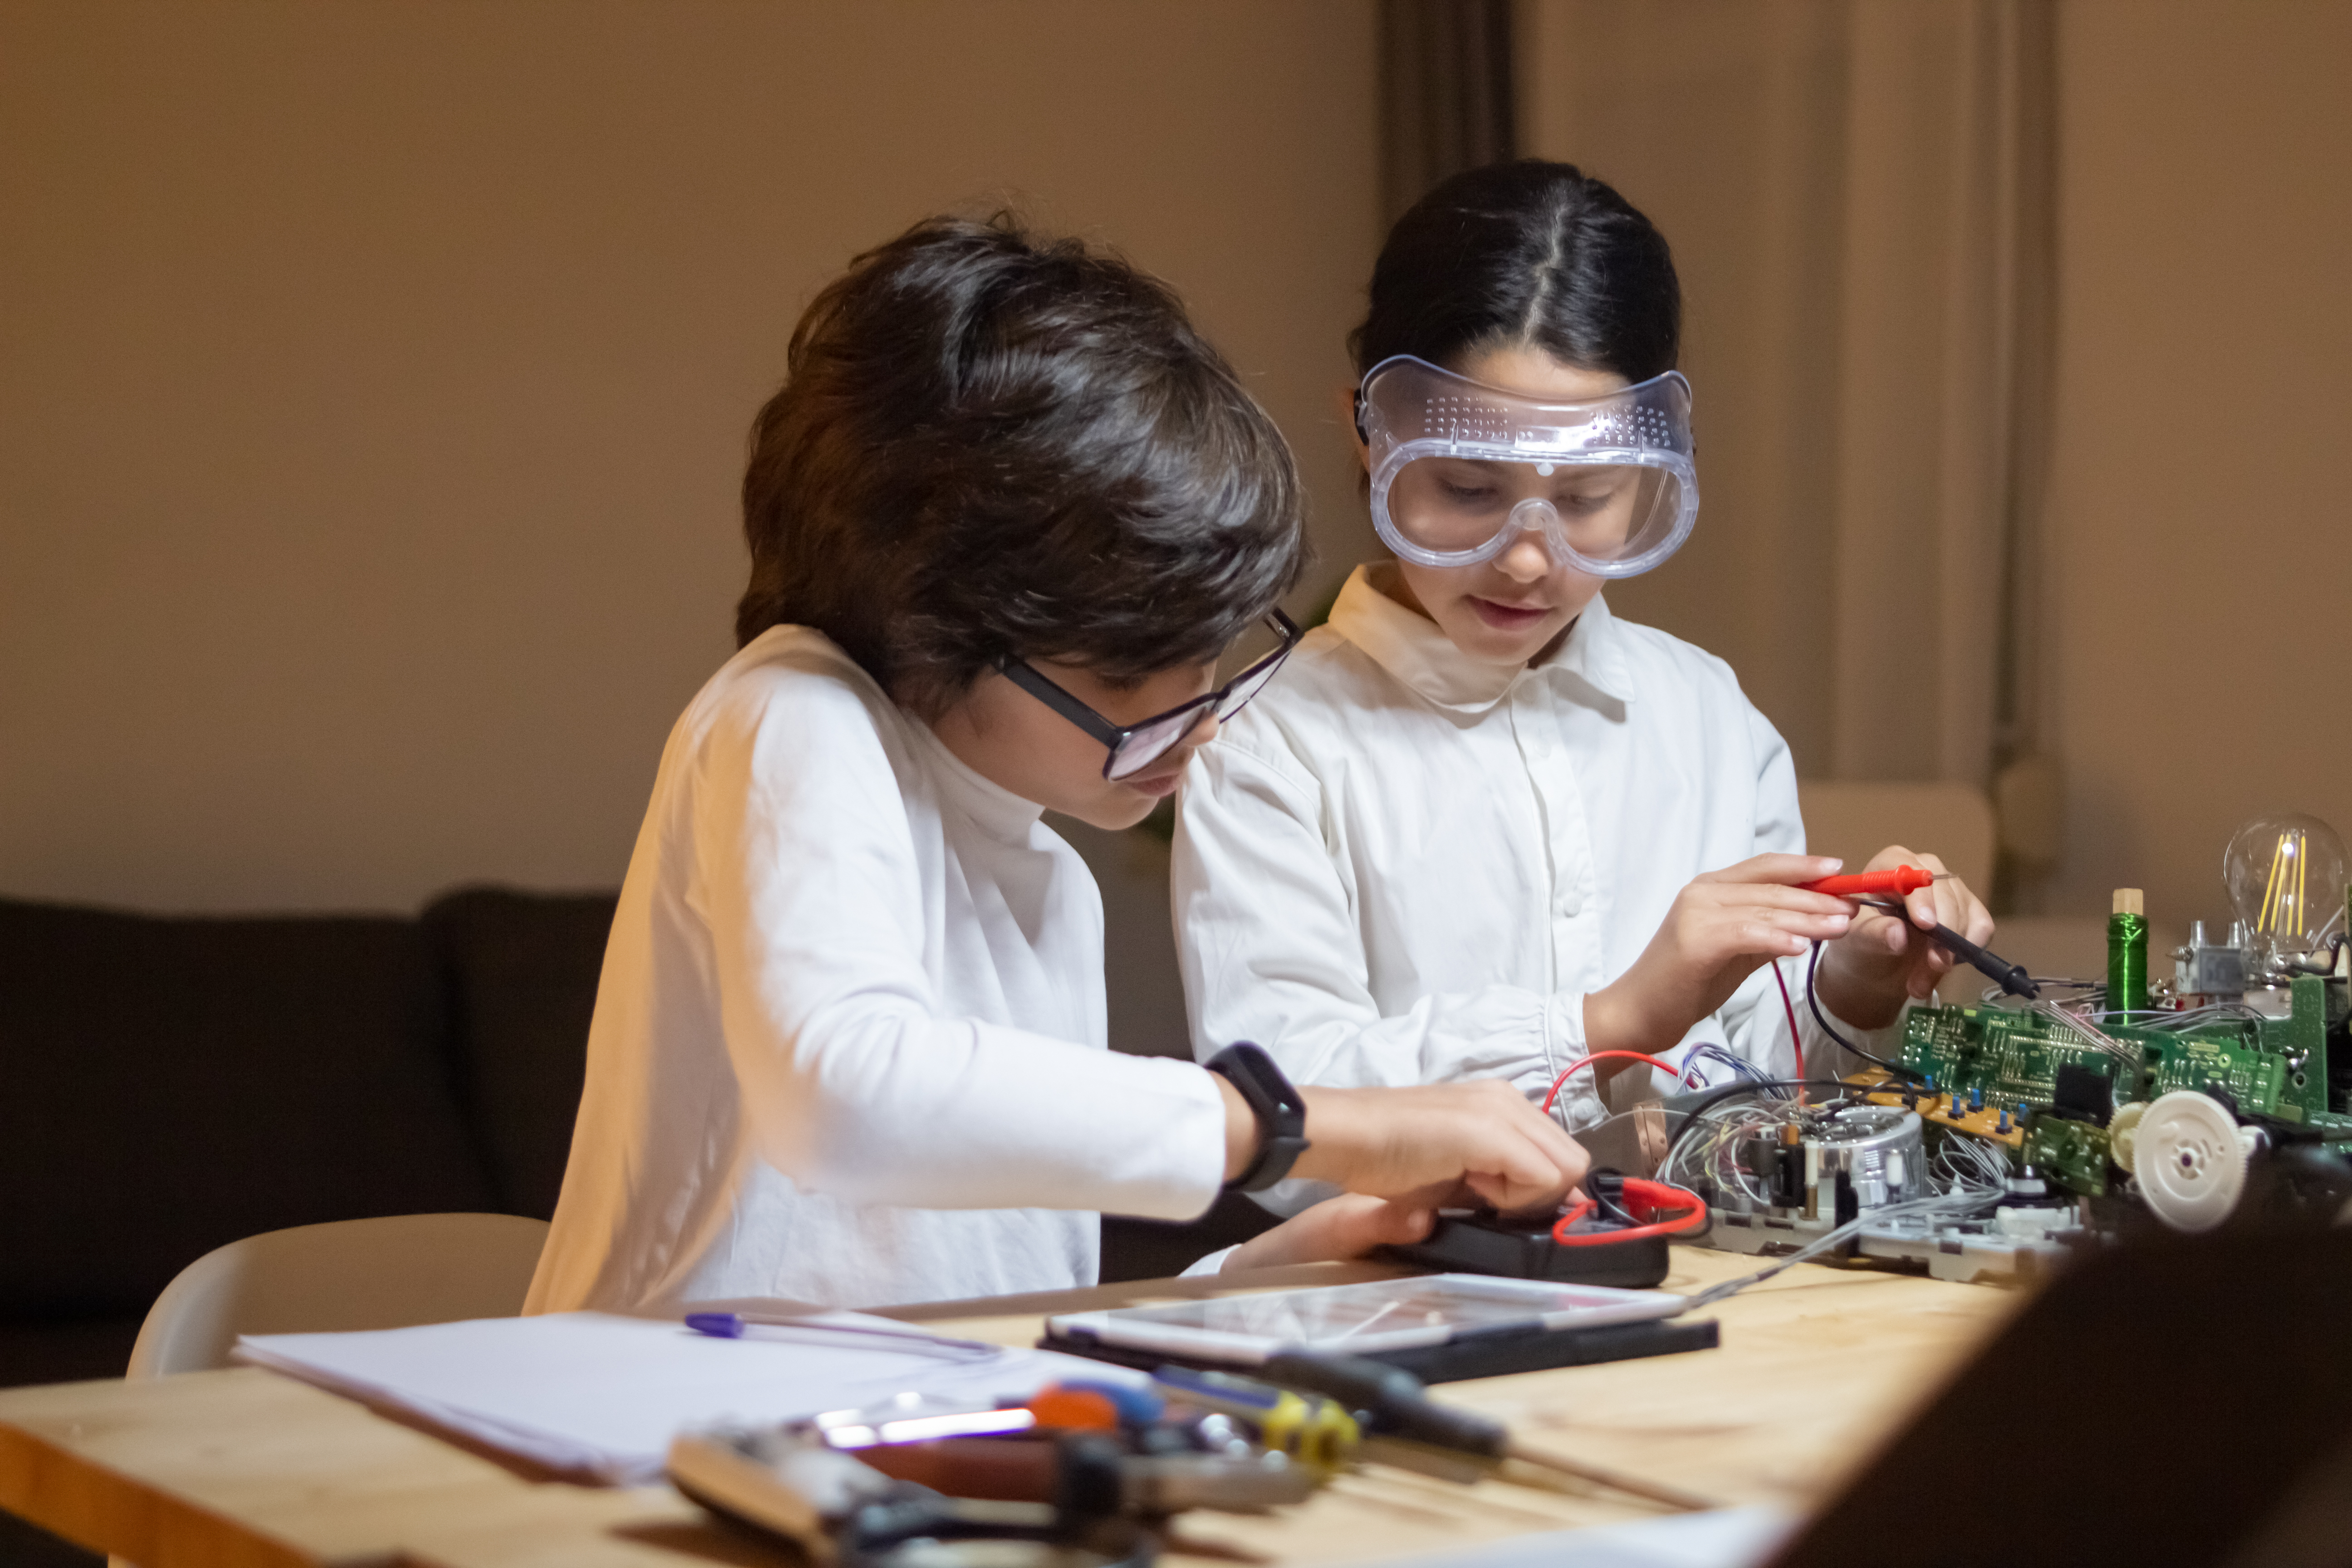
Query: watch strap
1281,1113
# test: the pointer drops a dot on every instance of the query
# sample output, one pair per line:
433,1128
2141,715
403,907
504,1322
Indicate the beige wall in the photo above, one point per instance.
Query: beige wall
1723,120
2196,561
373,381
2202,567
374,377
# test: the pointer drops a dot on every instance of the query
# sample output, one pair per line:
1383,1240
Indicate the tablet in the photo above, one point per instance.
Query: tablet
1370,1319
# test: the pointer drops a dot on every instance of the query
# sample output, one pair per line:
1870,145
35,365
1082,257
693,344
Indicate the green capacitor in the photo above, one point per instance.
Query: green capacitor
2127,954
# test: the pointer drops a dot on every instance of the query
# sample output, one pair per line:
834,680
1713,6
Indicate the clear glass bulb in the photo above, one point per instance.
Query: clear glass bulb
2286,874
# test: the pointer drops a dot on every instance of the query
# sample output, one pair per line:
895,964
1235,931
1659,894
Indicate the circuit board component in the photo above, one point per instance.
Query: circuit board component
2071,1154
2011,1059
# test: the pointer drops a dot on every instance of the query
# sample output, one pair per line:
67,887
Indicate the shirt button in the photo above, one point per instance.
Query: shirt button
1567,902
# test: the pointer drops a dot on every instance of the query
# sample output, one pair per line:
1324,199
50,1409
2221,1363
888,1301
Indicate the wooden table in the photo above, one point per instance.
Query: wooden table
247,1466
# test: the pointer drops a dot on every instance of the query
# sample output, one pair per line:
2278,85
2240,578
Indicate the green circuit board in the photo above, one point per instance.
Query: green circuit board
2012,1057
2071,1154
2276,1067
2255,1078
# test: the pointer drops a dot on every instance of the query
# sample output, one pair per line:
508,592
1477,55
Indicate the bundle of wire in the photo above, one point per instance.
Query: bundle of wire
1696,1060
2088,1005
1969,1174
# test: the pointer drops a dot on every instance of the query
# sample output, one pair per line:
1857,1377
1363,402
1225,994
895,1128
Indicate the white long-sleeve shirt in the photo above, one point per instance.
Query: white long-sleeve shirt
850,1039
1400,864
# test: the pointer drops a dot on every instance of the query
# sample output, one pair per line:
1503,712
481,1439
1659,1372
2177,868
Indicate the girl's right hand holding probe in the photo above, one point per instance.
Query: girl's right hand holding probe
1722,928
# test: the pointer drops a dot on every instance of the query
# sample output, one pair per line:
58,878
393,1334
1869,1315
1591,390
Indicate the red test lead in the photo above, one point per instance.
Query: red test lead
1900,881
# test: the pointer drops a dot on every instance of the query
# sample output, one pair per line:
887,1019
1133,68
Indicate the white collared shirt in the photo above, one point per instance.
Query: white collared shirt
1400,864
849,1040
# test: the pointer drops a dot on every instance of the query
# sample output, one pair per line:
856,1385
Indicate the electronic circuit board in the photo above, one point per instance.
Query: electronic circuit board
2071,1154
2008,1059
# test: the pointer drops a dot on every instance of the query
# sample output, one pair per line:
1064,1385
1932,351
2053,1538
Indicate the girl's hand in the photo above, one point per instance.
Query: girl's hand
1349,1225
1867,974
1723,927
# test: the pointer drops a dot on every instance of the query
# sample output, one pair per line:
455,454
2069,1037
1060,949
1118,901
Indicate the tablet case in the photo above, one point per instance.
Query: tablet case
1481,1352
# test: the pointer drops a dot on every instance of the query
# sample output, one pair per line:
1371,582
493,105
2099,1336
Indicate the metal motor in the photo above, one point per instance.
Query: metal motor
1876,1148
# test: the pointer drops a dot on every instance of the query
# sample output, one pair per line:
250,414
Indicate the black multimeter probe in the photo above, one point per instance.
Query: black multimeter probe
2010,977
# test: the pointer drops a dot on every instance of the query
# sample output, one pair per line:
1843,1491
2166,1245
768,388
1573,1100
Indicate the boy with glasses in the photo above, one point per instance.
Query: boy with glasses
1005,515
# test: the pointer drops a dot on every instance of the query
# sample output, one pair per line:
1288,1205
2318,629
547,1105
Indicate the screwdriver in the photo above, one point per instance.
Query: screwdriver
1391,1402
1317,1432
1903,880
1088,1473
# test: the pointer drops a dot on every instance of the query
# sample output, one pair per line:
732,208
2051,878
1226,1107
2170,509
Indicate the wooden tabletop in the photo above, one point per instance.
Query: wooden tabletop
247,1466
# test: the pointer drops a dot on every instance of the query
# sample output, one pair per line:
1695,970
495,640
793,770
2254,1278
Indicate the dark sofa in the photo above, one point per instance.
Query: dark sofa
168,1085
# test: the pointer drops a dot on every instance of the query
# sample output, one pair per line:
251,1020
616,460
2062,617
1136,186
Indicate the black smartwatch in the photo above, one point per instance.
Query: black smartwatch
1281,1114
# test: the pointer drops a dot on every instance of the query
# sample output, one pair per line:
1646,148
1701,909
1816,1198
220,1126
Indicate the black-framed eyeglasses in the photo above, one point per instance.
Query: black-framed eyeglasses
1135,747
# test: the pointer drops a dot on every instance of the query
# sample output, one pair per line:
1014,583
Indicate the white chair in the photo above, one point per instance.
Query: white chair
385,1273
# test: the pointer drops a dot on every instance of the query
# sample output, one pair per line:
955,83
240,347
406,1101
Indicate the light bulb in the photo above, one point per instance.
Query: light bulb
2286,874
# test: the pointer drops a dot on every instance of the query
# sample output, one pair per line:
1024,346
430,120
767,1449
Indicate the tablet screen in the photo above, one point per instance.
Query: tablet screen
1387,1314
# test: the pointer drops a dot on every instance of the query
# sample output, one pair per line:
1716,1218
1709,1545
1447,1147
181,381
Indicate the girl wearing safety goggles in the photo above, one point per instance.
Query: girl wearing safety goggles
1005,515
1483,826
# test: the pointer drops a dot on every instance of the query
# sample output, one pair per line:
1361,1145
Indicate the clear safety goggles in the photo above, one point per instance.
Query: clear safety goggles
1459,469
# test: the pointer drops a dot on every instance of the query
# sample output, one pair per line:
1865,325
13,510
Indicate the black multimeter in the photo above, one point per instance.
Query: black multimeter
1609,1242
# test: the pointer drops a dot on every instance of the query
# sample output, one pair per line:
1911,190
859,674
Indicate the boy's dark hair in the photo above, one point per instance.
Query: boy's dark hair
1528,253
993,446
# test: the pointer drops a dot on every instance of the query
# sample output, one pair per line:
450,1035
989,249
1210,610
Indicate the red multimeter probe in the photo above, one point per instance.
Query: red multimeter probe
1901,881
1664,1210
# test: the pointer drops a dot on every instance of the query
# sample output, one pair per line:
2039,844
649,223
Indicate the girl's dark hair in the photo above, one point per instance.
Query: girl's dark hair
1527,252
993,446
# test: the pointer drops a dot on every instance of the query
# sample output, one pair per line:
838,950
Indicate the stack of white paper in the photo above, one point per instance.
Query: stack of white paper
1721,1538
601,1397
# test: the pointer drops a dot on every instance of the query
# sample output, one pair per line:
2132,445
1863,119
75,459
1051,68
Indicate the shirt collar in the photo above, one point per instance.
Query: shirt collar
995,810
1409,646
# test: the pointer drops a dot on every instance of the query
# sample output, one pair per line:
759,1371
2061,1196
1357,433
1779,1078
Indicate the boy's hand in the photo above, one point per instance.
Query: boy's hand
1349,1225
1437,1144
1722,928
1866,975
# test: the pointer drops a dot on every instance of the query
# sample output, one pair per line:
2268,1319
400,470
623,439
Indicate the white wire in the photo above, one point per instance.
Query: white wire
1957,1204
1995,996
2099,1039
1969,1163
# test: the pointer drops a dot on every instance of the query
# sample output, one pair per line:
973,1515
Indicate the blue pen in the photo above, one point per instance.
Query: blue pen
734,1325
